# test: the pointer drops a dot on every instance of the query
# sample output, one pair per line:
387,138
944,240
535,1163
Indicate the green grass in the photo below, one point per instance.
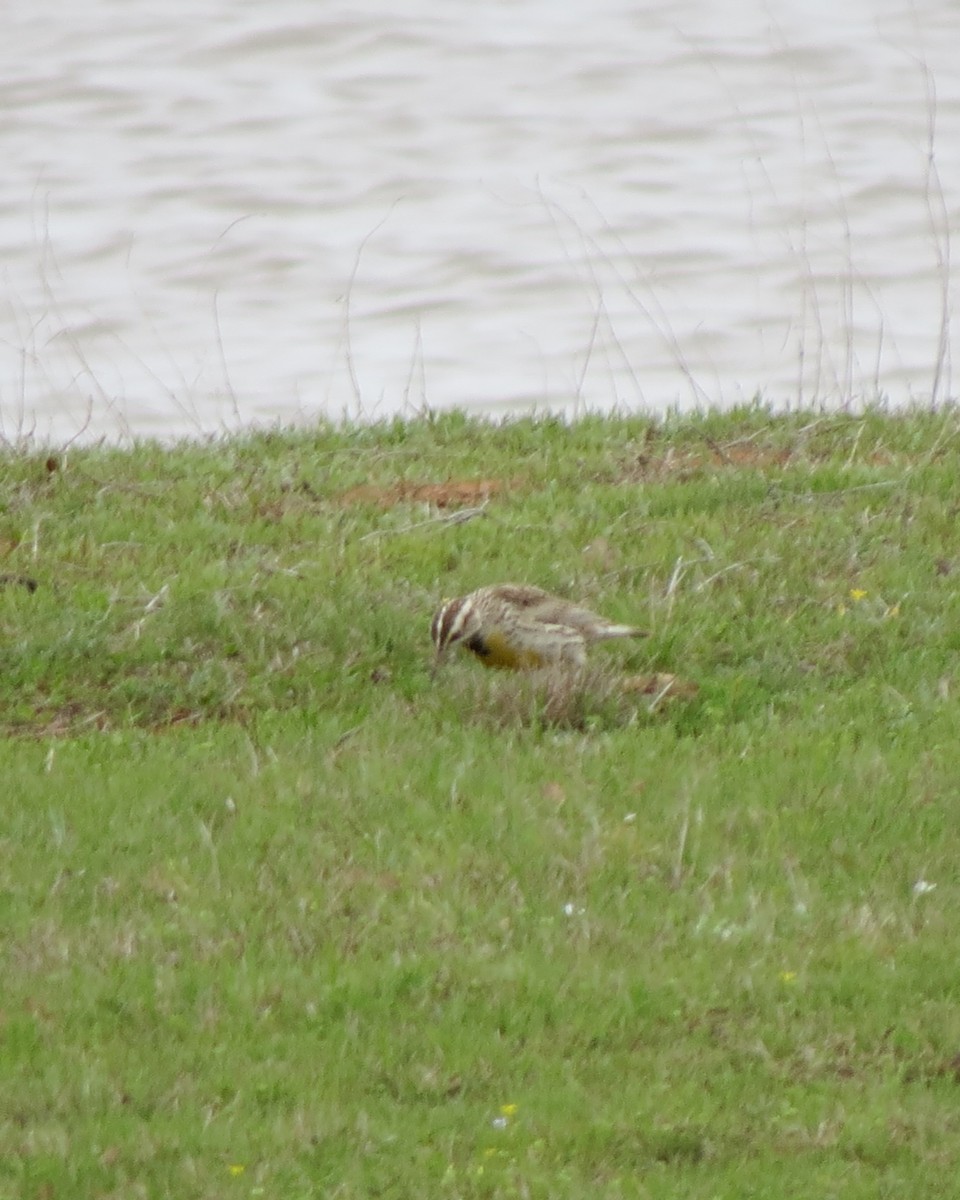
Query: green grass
283,918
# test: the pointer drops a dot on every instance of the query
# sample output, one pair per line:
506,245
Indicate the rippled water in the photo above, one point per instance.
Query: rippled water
224,212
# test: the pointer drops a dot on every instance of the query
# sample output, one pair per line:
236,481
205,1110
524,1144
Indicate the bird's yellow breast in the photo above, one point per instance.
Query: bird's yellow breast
493,650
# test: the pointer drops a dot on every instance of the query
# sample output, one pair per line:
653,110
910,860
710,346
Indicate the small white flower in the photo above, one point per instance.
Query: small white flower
500,1122
571,910
922,886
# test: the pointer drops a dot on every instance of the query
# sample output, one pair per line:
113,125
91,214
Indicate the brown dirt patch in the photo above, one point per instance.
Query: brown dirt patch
454,493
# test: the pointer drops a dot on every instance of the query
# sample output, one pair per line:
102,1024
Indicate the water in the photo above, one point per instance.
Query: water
223,213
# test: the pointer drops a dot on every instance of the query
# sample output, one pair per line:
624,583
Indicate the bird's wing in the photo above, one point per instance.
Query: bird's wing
575,616
563,631
592,626
550,609
522,595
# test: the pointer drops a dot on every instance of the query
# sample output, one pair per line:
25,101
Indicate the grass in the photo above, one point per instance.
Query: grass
283,918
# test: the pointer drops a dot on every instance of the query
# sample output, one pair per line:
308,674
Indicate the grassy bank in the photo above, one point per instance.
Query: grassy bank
284,918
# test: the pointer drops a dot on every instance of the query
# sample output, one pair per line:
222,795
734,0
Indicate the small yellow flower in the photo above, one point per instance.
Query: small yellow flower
236,1169
508,1110
788,976
857,594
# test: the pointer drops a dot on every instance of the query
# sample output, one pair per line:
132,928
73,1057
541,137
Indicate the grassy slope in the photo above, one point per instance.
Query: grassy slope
282,918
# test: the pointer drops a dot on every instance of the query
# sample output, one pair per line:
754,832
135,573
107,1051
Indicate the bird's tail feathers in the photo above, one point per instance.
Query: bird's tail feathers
622,631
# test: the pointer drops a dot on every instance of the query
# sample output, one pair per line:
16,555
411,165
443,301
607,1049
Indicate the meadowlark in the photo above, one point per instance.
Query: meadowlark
517,627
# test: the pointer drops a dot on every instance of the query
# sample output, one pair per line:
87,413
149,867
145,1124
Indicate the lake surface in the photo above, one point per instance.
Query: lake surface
228,212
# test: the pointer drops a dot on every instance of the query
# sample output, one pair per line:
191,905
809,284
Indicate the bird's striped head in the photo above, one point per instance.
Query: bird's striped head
455,621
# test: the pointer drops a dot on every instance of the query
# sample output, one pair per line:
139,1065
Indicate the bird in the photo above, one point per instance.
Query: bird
518,627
